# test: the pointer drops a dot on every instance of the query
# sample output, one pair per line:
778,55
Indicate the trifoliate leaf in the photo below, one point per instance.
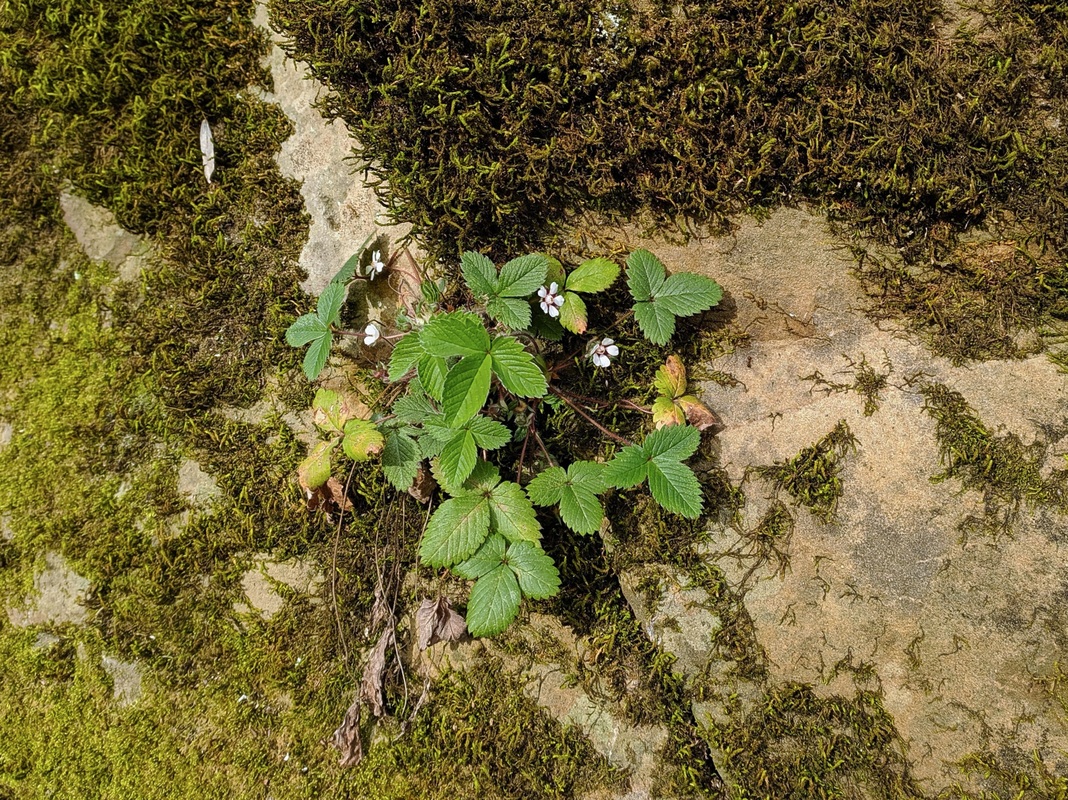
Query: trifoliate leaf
305,329
400,460
483,477
656,322
675,487
509,311
489,556
676,443
456,530
512,514
432,371
594,275
494,602
479,274
362,440
628,468
537,574
684,294
580,509
466,389
458,458
516,369
314,471
458,333
406,354
573,315
489,434
330,302
547,487
315,358
522,276
645,274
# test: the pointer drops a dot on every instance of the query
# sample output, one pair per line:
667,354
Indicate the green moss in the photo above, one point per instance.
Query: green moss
1007,472
813,476
867,382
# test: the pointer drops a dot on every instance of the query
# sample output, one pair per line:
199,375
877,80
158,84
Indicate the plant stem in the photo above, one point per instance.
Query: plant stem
605,403
574,407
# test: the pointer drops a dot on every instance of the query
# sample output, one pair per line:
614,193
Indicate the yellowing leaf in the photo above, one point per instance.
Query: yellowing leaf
362,440
670,380
667,412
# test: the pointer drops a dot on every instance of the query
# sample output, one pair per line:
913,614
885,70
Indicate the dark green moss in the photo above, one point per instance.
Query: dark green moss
867,382
813,476
1007,472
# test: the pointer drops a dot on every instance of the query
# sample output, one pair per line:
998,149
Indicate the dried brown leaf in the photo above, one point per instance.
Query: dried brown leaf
374,672
698,414
329,497
347,737
422,489
435,621
380,611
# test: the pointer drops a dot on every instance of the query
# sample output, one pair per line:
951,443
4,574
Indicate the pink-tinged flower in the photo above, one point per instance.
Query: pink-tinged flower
551,301
371,334
376,266
601,353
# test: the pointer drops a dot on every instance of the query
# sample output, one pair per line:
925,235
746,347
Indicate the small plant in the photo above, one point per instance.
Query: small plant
468,385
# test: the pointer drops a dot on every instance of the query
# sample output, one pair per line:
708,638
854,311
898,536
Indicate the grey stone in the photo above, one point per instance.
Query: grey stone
196,486
102,238
7,431
58,596
125,680
260,584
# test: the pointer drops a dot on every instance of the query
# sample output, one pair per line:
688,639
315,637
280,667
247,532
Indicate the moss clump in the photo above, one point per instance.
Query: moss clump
813,476
1007,472
867,382
799,746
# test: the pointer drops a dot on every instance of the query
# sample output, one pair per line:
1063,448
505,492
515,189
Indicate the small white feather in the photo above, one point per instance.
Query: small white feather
207,149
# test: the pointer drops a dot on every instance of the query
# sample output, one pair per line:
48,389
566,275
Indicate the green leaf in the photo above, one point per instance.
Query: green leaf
432,372
489,434
588,475
348,269
537,574
512,514
494,602
362,440
676,443
489,556
656,321
479,274
628,468
406,354
413,408
328,411
645,275
684,294
674,486
516,369
509,311
594,275
456,530
429,447
522,276
667,412
458,333
305,329
483,477
581,510
315,358
314,470
458,458
555,272
466,389
330,302
547,487
400,460
573,315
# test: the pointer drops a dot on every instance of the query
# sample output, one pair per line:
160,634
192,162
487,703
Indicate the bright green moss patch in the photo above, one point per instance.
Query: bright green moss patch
813,476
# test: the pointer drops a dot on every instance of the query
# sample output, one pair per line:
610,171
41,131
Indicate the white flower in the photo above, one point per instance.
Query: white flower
601,353
376,266
551,301
371,334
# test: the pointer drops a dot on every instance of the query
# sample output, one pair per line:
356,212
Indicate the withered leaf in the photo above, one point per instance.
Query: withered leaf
435,621
374,672
698,414
329,497
347,737
380,611
422,488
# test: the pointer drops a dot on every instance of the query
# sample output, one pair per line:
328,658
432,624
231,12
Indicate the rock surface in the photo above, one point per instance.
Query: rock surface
58,597
261,585
102,238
